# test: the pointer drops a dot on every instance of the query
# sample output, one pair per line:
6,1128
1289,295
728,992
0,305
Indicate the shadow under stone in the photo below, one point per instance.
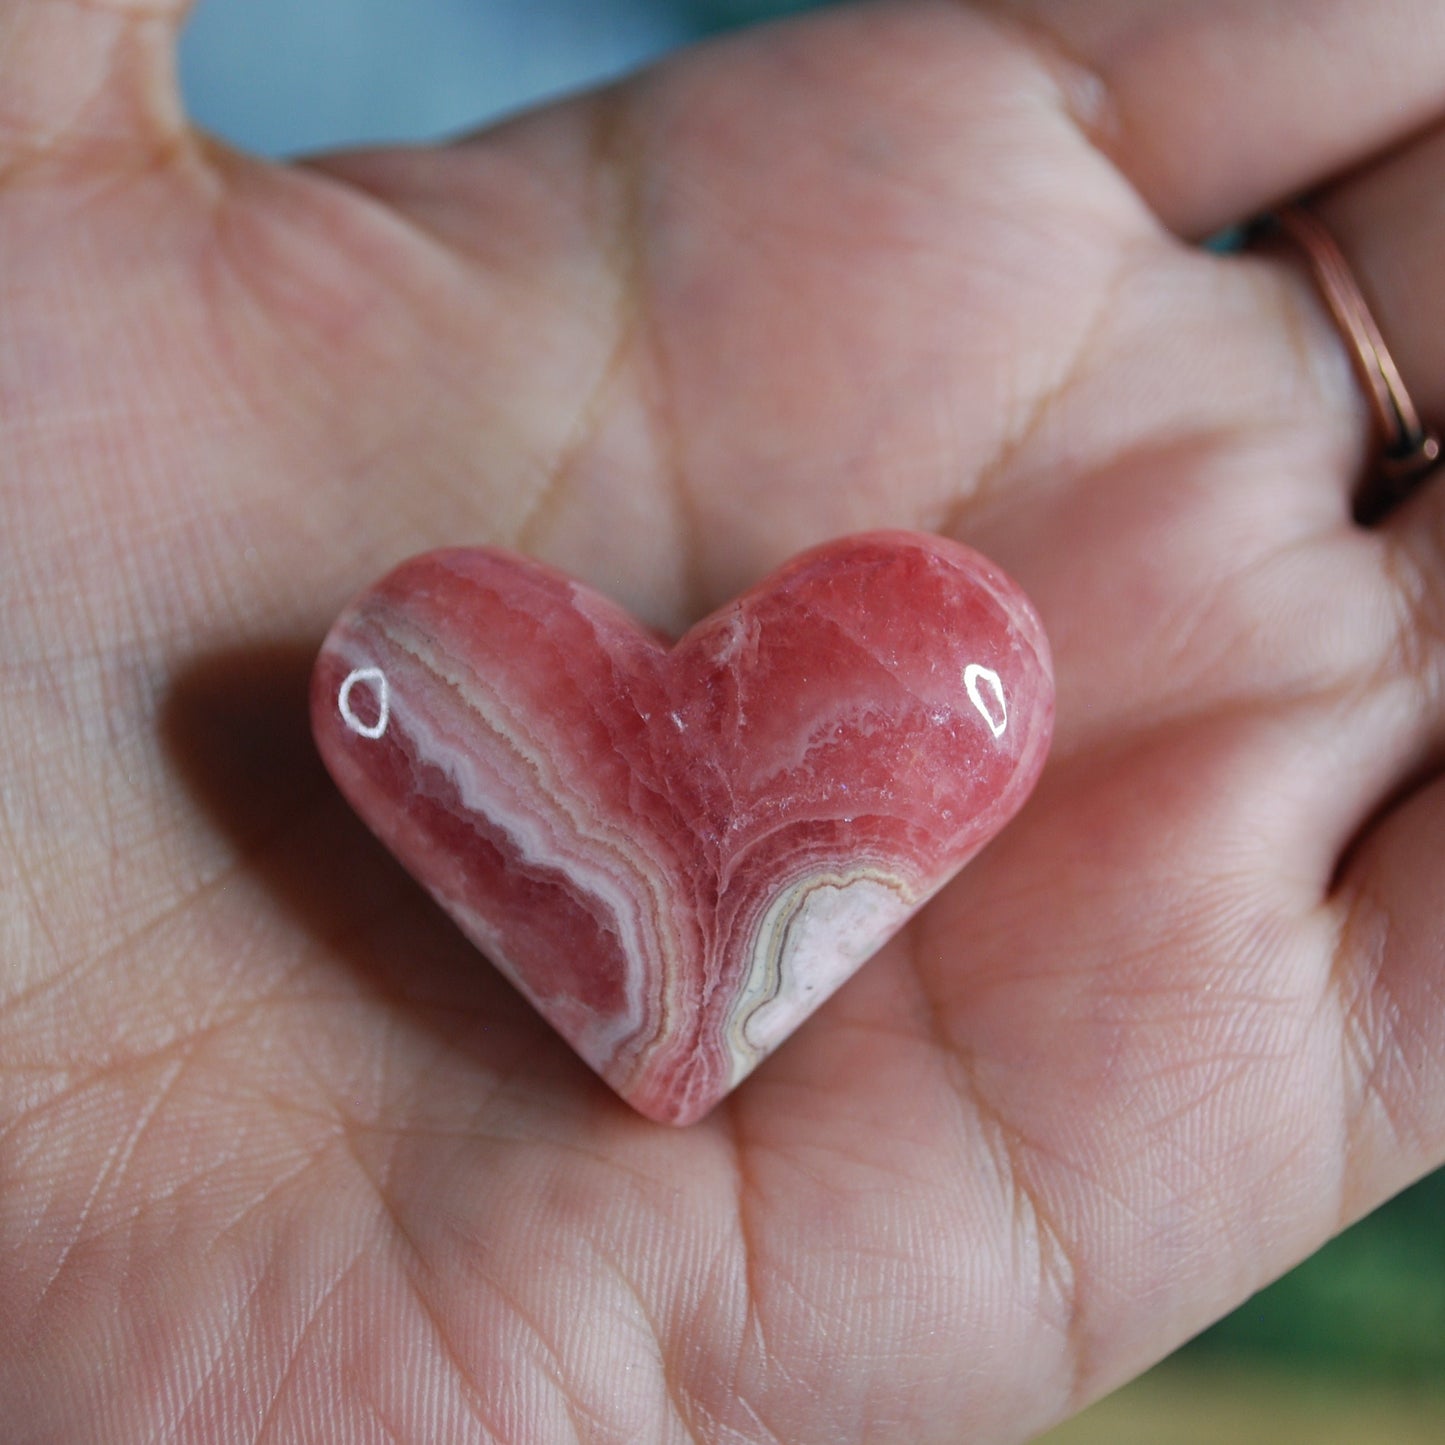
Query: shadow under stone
237,728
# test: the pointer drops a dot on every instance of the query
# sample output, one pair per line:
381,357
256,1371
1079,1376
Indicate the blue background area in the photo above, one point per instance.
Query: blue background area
280,76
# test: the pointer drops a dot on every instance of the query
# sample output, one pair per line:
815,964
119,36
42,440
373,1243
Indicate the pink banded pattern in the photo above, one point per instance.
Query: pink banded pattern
678,851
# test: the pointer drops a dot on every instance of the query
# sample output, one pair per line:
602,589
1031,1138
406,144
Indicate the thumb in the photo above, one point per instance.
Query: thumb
88,80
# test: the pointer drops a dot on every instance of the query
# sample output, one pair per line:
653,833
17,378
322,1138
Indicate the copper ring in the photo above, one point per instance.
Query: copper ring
1410,450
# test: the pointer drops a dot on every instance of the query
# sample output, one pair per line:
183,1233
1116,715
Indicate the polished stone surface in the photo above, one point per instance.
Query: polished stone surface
678,851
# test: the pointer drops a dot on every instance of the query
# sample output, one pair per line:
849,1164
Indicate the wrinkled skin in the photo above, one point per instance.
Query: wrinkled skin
280,1158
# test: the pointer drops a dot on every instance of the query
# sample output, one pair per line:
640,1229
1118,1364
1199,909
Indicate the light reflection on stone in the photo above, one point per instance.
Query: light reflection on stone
994,709
374,679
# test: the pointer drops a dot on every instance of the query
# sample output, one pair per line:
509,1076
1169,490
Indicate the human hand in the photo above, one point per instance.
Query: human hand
280,1157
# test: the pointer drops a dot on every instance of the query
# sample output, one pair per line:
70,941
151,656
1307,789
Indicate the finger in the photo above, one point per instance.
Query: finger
1304,441
94,79
1390,222
1215,111
1391,996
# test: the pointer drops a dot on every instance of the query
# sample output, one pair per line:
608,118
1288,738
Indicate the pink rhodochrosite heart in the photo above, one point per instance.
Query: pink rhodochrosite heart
678,851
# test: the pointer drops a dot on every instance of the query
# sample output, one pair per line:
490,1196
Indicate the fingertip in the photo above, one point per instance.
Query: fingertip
1220,110
92,84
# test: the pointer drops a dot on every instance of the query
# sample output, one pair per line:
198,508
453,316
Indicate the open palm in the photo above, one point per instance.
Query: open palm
280,1157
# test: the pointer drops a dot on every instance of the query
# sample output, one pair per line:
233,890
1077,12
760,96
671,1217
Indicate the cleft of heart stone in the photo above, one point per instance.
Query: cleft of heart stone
678,851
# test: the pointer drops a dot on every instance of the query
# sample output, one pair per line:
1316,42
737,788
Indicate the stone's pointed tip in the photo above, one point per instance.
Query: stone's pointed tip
677,855
675,1115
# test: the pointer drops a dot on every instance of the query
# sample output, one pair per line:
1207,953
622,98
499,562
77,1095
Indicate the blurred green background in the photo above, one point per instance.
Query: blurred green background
1347,1349
1350,1347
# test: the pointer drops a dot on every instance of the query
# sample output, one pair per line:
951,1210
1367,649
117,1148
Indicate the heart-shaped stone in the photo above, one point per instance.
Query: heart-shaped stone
678,851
